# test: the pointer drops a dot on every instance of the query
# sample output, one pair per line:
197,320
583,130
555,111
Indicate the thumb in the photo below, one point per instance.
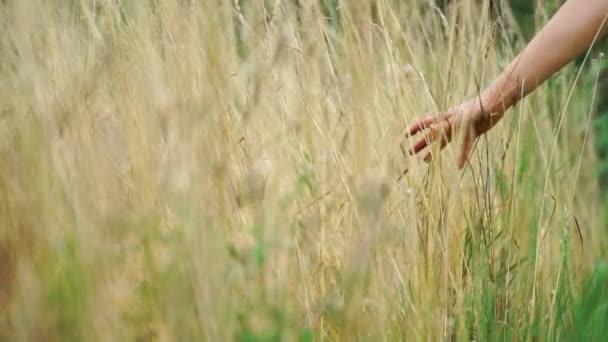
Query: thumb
467,146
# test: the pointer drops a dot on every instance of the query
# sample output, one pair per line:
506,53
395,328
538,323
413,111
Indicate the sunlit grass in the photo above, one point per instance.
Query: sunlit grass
174,170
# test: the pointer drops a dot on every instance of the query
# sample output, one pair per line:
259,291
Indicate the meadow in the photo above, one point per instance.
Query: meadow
231,171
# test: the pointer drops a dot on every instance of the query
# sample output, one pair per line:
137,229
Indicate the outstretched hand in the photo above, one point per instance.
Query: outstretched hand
468,119
576,26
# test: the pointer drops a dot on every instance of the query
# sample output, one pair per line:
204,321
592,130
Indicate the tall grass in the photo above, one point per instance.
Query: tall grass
215,170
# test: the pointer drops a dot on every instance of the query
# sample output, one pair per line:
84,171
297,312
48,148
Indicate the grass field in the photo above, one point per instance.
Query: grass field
218,170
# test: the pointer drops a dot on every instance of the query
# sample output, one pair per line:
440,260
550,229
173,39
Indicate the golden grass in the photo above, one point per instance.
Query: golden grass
154,185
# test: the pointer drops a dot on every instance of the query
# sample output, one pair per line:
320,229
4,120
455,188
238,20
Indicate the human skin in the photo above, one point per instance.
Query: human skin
573,29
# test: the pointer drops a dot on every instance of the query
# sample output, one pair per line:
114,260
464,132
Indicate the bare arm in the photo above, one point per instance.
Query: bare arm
574,28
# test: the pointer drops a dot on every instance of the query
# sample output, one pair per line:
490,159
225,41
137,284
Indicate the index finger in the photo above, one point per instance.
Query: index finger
414,128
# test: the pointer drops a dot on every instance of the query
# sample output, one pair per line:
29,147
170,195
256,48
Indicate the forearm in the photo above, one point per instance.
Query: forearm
572,30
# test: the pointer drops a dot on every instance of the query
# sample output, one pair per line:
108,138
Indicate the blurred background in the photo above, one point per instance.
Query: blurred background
187,170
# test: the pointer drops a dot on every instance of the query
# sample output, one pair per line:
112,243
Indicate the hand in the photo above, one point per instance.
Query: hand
468,118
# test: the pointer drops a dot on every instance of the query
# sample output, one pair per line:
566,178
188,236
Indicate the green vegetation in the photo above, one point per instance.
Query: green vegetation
231,171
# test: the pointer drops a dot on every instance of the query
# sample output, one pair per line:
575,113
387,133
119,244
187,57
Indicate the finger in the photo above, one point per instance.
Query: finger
428,157
467,146
442,145
419,126
445,131
420,145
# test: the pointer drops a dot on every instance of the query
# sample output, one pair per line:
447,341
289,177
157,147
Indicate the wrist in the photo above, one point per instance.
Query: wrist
490,102
501,95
